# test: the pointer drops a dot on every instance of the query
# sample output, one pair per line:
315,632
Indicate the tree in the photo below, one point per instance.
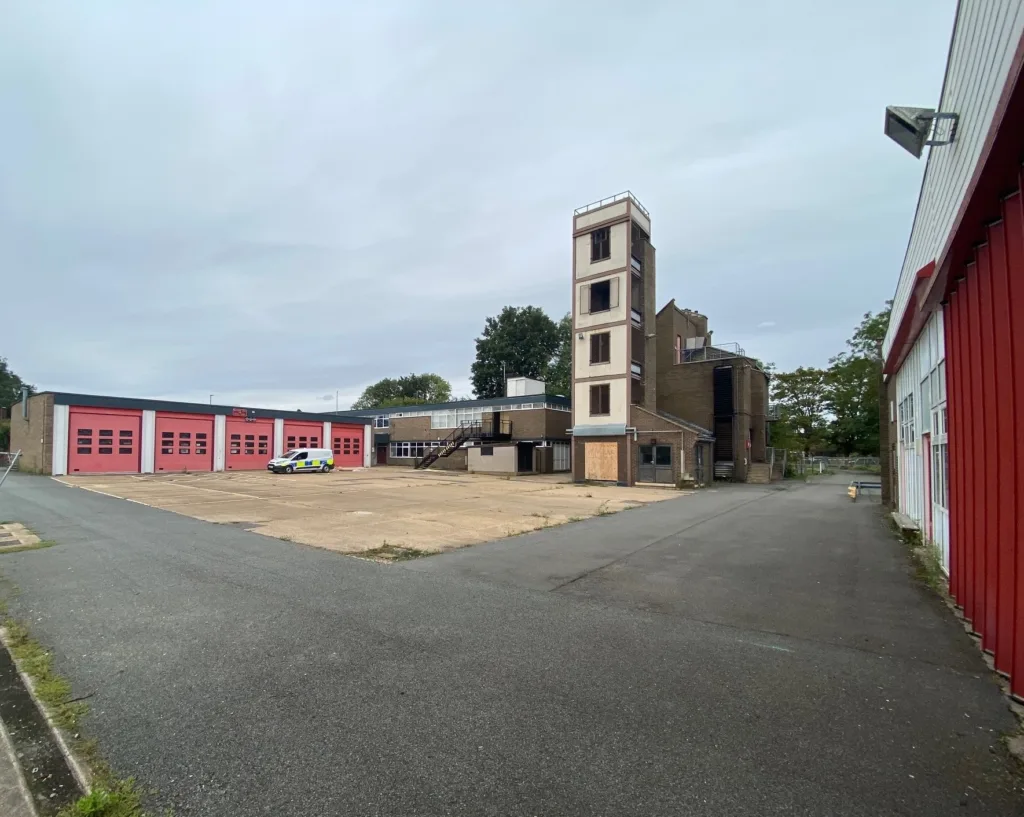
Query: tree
410,390
853,382
803,402
11,385
520,342
559,374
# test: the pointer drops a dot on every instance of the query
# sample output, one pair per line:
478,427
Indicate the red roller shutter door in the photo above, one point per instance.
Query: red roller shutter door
104,441
302,435
184,442
347,445
249,446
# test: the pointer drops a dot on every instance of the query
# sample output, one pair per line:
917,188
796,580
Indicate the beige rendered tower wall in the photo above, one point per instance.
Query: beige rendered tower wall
614,349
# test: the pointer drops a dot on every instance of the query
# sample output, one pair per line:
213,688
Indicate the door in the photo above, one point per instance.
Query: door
601,461
104,441
184,442
302,435
698,463
561,457
382,455
926,447
249,444
655,464
347,445
524,458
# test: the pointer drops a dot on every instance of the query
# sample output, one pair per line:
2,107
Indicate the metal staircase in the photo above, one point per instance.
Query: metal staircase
452,443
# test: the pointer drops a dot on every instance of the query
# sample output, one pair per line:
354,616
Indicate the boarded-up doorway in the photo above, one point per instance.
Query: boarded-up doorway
601,461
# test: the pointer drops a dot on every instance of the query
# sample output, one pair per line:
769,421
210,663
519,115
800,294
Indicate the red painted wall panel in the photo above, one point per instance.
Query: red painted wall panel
249,446
990,452
967,461
976,450
1005,475
104,441
347,445
1013,225
299,434
184,442
954,484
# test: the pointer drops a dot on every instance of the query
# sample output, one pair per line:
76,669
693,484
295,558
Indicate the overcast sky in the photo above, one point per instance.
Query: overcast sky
274,202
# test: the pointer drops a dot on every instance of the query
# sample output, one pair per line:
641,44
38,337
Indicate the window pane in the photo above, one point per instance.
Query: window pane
662,455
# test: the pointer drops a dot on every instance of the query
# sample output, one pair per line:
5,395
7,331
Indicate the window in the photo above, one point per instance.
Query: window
486,450
600,347
662,455
600,400
636,370
264,446
600,245
410,450
601,296
235,446
383,421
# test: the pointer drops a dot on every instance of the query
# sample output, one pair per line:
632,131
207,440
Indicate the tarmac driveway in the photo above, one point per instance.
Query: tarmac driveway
745,651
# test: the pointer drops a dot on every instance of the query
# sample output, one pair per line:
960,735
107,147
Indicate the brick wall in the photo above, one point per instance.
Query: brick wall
654,430
649,356
34,435
687,391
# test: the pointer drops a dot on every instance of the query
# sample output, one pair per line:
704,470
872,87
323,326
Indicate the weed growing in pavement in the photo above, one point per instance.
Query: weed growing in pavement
45,543
576,518
120,800
389,553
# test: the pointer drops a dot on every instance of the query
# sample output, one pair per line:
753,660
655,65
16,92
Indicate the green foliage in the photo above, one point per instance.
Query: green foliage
559,375
834,410
410,390
10,387
519,342
802,401
854,380
5,435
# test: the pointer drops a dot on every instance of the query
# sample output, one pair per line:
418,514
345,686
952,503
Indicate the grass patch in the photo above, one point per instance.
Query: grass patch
603,510
392,553
122,799
110,796
577,518
45,543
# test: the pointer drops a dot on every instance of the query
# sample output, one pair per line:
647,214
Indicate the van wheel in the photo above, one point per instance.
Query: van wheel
289,469
325,468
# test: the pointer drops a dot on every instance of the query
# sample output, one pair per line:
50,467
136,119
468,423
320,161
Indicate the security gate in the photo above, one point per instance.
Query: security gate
655,464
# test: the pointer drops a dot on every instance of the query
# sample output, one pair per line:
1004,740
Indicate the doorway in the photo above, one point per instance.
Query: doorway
524,462
382,455
655,464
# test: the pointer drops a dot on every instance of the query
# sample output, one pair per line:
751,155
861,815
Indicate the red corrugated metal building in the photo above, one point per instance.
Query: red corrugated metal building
955,346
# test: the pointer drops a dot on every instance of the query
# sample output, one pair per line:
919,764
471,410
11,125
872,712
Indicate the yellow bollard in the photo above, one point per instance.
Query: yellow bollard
852,491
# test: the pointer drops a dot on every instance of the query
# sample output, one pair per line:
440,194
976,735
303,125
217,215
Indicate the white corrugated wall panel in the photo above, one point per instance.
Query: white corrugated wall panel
984,43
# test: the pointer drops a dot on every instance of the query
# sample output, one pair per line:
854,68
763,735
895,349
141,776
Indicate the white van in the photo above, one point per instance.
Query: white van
303,459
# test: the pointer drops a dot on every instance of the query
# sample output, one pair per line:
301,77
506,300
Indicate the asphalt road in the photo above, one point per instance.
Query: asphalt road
745,651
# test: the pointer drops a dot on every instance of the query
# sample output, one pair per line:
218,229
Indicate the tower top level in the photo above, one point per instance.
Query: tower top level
622,207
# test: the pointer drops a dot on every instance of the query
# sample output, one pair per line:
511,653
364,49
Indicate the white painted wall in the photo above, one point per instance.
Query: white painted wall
618,404
985,39
925,359
502,461
616,210
147,442
220,434
59,458
326,438
617,363
367,445
278,436
618,258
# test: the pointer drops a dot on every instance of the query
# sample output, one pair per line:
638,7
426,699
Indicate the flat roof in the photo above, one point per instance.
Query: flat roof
106,401
555,399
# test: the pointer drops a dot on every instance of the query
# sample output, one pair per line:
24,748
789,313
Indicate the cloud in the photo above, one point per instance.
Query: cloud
766,324
281,202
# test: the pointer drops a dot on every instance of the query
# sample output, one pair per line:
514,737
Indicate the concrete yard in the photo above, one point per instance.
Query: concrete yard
363,510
